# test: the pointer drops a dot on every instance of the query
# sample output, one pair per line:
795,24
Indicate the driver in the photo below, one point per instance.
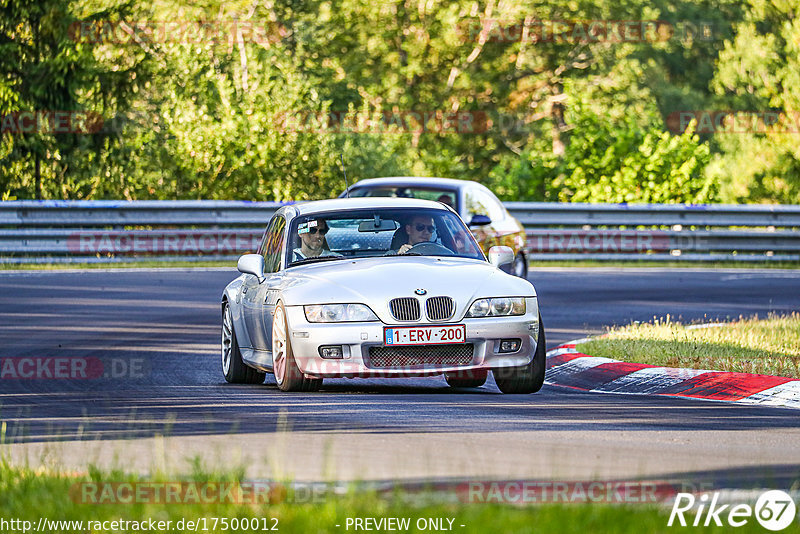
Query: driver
312,240
420,230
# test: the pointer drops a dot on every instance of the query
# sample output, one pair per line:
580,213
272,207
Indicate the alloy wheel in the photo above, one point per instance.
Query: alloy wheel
279,345
227,340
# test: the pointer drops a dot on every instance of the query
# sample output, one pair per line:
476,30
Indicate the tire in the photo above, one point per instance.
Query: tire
520,266
466,379
233,368
528,378
287,375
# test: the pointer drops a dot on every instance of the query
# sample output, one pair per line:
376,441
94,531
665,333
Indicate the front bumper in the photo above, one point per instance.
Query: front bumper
356,340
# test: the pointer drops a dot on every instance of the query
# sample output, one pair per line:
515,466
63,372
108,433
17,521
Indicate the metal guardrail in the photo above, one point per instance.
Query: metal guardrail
60,214
577,214
660,232
115,231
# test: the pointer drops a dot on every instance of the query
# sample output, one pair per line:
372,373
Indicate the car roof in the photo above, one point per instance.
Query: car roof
449,183
343,204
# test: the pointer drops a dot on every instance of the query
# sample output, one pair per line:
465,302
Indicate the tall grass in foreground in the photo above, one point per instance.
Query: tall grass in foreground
29,494
768,346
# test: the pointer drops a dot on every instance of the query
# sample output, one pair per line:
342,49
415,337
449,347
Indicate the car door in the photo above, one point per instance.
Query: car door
273,270
255,293
246,301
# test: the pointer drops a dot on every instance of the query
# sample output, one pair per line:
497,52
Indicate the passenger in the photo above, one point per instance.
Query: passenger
420,229
312,240
444,198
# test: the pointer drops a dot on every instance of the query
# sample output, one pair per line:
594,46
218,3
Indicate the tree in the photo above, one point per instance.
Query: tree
612,162
237,117
758,72
63,88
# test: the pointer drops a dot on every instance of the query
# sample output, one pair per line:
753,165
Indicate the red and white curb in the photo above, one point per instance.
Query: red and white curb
570,368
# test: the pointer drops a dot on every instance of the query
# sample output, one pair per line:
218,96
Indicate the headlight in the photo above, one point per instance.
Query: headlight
338,313
497,307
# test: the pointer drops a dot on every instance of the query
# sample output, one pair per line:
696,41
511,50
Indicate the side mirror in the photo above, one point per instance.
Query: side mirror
253,264
499,256
480,220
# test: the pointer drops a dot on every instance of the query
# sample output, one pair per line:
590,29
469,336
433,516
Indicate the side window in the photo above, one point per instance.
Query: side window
263,245
497,212
479,202
475,203
273,245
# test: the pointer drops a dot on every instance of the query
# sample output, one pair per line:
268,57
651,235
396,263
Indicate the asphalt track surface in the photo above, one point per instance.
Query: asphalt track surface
161,399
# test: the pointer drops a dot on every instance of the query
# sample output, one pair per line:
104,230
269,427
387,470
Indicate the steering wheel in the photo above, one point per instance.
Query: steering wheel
429,248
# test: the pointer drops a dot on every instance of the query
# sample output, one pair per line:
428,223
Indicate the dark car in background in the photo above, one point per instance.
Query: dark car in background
487,218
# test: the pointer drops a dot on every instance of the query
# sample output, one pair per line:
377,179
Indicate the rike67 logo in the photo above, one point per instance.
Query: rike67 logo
774,510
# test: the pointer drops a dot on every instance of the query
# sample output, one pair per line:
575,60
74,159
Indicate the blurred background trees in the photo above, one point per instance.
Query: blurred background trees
267,116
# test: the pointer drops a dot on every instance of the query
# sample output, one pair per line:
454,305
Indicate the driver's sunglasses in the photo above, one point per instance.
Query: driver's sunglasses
421,227
314,230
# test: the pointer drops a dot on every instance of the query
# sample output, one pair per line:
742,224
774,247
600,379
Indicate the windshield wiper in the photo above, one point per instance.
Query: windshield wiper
315,259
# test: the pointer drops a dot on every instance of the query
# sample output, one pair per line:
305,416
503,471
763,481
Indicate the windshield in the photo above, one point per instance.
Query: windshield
447,196
379,232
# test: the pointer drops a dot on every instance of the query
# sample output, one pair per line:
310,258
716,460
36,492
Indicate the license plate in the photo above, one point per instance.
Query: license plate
424,335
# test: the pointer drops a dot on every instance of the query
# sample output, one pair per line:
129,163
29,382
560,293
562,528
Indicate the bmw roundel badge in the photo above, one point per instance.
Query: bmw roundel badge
420,292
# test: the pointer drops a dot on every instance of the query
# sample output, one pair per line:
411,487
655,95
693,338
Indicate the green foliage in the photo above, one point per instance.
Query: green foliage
612,162
225,142
759,70
44,71
570,119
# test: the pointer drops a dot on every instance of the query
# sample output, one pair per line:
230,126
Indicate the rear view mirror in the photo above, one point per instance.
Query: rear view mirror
380,225
480,220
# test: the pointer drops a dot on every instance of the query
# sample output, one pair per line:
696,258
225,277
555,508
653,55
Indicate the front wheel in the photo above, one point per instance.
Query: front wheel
287,374
528,378
234,369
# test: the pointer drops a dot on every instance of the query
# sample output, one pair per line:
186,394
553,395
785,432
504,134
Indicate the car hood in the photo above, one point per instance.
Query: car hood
375,281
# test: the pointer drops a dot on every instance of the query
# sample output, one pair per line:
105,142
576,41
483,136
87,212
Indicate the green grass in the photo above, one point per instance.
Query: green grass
29,494
763,346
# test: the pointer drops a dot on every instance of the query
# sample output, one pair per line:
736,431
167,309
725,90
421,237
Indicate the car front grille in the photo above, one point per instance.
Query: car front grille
439,308
423,355
405,309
